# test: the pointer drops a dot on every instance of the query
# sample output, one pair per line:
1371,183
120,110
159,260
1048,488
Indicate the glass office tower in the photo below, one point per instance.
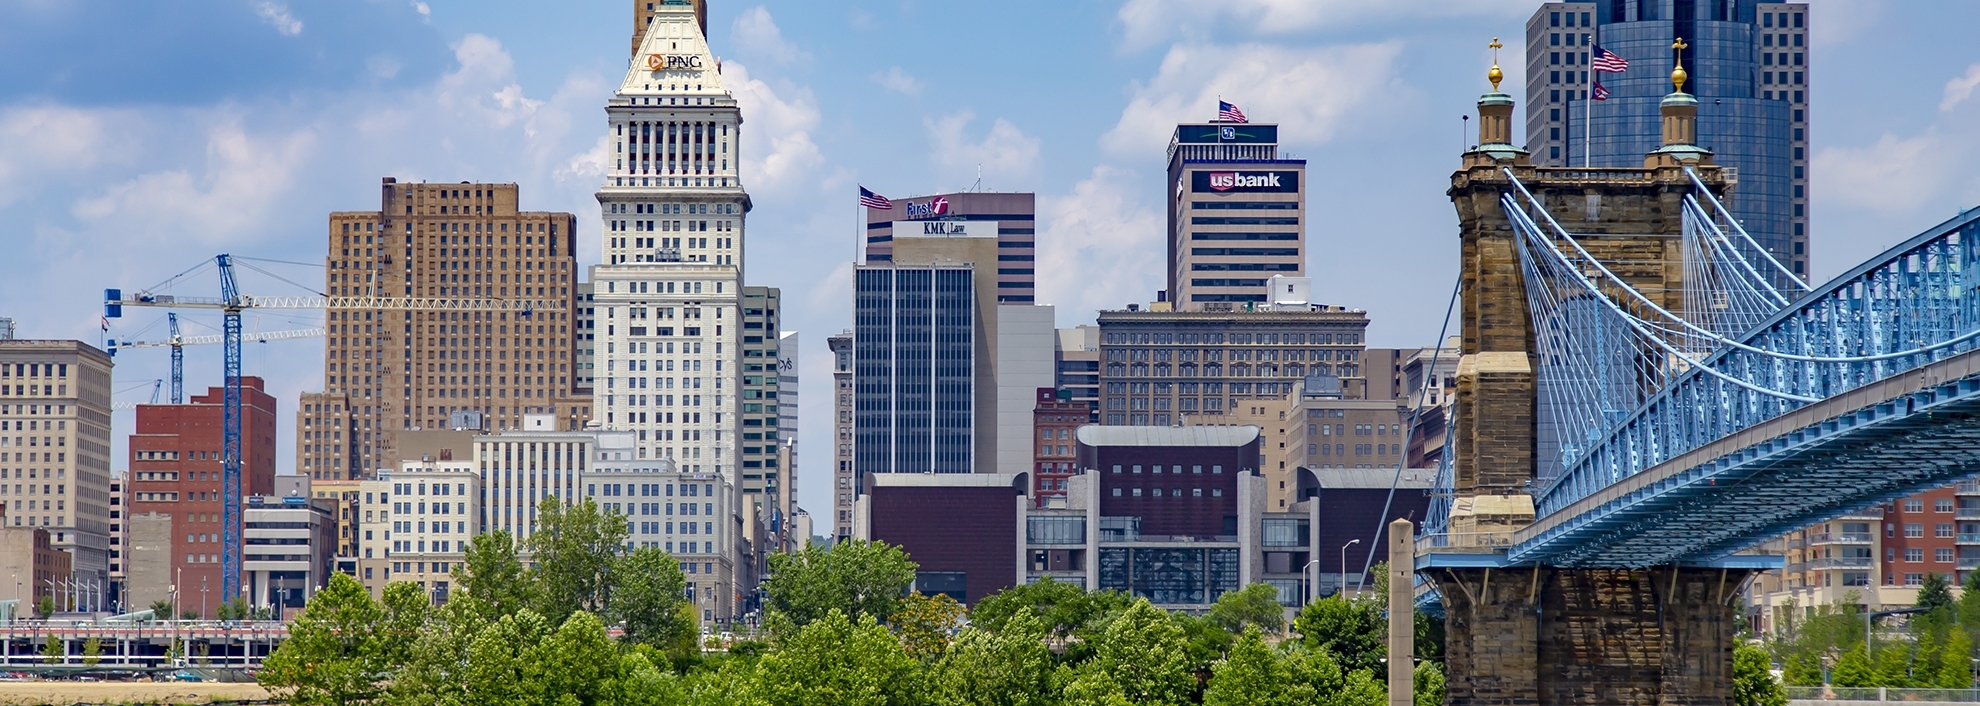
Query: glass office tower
1749,68
914,345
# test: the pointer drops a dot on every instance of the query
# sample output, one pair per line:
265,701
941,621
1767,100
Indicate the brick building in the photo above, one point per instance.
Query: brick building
55,446
175,467
1053,422
388,370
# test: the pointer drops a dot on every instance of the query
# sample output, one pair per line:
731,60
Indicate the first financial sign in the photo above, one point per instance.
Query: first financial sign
673,62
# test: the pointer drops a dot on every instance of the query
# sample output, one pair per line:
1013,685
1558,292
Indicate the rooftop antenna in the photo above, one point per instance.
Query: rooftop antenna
978,186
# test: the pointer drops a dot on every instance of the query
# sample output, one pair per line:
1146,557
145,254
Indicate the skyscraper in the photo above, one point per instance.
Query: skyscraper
55,446
845,482
1010,217
762,423
1236,215
388,369
1749,68
668,297
916,331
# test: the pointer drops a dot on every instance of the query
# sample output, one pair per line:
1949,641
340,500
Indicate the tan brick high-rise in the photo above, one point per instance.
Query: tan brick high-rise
389,368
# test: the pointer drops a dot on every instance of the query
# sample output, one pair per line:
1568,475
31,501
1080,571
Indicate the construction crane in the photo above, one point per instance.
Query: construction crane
178,343
230,303
155,385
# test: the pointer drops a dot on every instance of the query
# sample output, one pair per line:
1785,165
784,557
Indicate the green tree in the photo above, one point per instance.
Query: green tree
1891,667
92,652
436,671
1361,689
1073,618
1925,657
575,546
492,571
925,624
1254,605
1853,669
501,661
835,660
1427,684
1204,641
1316,668
54,650
1253,674
161,609
647,598
1801,670
46,607
1145,654
857,578
1935,593
1429,637
1955,662
1753,679
580,663
1969,605
1009,667
1352,631
333,653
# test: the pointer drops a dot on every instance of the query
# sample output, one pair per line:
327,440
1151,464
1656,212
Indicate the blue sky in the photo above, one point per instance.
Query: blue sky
139,138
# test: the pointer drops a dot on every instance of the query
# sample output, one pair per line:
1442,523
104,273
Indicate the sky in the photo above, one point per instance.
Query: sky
138,139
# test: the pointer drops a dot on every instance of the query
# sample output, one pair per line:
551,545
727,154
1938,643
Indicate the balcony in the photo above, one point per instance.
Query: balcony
1874,512
1841,562
1968,538
1968,563
1821,538
1968,513
1967,487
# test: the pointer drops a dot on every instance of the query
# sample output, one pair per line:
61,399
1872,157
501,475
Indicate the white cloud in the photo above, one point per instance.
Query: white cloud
277,15
1148,22
777,150
1004,151
422,9
1103,226
755,31
485,84
1960,89
898,81
36,142
1307,91
1894,174
241,181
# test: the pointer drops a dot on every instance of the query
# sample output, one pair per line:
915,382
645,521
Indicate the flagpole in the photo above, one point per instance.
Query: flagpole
1588,119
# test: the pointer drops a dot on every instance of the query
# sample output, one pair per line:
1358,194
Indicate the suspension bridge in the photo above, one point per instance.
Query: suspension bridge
1646,394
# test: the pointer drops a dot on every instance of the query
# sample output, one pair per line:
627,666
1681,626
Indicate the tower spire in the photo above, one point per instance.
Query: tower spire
1495,111
1678,75
1495,75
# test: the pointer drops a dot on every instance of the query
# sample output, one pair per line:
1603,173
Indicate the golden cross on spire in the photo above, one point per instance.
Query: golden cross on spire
1678,75
1495,75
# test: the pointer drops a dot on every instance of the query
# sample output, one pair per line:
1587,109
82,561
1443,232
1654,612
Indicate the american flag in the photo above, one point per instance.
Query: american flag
1600,93
874,201
1606,61
1230,113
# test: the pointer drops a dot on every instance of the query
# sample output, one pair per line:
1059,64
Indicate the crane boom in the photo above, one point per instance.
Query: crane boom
256,337
114,297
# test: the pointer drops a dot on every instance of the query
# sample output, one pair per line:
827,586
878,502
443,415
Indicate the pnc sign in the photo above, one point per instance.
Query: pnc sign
1273,181
933,207
673,62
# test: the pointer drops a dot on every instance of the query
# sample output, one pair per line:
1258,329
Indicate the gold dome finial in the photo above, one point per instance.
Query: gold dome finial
1678,75
1495,75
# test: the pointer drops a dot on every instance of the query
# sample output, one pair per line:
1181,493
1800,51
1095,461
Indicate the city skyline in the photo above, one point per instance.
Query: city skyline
247,162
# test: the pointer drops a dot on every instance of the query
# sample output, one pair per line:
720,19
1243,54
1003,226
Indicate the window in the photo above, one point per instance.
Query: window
1914,555
1944,530
1914,530
1914,579
1943,556
1914,505
1942,505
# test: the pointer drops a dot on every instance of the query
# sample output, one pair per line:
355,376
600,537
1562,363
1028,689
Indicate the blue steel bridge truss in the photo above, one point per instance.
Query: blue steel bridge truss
1756,407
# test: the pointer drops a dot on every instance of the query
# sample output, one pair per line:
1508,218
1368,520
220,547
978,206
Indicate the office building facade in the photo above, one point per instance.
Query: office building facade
1180,367
1009,217
175,473
289,549
390,369
1236,216
845,477
915,369
669,294
55,446
693,516
1078,367
1749,66
763,487
1055,416
426,514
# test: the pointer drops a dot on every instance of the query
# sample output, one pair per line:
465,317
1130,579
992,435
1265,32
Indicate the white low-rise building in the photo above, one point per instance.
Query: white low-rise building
420,524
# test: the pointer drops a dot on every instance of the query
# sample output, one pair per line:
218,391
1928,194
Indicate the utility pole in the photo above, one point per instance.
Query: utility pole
1402,613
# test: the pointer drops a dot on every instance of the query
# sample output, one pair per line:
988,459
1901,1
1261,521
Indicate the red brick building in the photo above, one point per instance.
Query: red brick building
1052,423
175,472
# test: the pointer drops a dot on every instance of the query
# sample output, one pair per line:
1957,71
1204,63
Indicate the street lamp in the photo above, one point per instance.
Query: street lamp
1344,547
1312,589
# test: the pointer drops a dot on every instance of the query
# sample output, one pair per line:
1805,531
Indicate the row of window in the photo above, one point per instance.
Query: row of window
1162,338
34,370
1172,492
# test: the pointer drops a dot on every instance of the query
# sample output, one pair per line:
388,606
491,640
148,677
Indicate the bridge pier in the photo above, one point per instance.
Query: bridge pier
1526,636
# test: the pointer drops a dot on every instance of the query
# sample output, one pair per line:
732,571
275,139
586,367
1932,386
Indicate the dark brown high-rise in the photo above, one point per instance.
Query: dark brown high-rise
458,359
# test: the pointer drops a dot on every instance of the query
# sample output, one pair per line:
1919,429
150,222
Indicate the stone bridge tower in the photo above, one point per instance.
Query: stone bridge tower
1541,635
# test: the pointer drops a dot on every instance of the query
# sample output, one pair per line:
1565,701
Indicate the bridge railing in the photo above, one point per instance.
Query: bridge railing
1908,307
